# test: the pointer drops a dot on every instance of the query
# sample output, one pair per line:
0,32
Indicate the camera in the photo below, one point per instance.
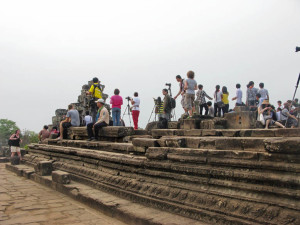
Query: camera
128,98
168,84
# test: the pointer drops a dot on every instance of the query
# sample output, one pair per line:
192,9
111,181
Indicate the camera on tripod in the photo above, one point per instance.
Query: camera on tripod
168,84
128,98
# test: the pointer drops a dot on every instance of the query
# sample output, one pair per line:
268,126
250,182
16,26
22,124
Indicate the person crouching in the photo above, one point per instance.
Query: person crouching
102,120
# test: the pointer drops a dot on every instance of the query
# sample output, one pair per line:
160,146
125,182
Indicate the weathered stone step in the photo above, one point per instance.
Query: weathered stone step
295,132
189,202
197,186
96,145
113,132
122,209
115,161
289,145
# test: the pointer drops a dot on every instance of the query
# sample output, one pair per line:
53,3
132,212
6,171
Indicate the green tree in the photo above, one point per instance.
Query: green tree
29,137
7,128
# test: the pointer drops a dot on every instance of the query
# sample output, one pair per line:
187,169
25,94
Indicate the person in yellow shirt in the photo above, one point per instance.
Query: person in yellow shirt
96,92
225,100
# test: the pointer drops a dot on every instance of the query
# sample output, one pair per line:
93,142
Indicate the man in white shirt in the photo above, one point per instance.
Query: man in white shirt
135,101
88,119
239,95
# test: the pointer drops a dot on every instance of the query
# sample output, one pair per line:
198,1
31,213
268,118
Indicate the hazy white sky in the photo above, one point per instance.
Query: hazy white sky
49,49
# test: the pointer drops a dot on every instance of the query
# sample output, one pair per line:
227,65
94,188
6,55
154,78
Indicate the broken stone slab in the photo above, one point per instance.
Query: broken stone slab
157,153
145,142
43,168
176,142
191,123
173,125
283,145
187,155
241,120
61,177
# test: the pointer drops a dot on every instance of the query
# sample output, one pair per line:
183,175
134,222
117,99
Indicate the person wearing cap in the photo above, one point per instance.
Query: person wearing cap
266,110
102,120
72,119
96,92
287,118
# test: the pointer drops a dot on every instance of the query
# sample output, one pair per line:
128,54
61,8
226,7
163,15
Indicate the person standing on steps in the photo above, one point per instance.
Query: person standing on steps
190,85
15,144
116,102
239,95
135,101
167,105
95,91
181,92
201,94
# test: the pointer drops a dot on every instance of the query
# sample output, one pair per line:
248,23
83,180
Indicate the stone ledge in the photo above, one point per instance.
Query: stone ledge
61,177
110,131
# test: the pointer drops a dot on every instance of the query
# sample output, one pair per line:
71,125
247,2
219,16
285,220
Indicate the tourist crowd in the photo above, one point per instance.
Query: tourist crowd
192,96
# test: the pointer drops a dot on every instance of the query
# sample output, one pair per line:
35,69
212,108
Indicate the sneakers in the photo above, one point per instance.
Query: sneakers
93,139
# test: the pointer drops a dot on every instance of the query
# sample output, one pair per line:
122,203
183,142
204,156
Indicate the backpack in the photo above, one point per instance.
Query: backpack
162,123
96,86
173,103
10,142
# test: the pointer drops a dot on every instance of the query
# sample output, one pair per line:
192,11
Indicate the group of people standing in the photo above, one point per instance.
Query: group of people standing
256,100
188,88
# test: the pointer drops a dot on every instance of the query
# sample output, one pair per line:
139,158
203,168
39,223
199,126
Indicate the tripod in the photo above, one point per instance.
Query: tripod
153,110
128,111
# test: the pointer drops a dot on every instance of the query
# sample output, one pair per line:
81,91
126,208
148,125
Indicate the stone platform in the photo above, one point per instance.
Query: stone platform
214,176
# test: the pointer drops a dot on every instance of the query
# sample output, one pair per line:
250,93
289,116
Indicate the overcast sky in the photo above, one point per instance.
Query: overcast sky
49,49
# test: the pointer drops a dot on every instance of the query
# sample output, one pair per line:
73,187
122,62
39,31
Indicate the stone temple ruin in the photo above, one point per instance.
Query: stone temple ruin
199,171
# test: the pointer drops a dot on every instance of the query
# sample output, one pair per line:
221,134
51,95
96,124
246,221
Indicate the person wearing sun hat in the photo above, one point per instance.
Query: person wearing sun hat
102,120
266,110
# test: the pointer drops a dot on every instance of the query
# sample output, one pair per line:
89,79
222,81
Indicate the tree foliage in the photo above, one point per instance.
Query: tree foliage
29,137
7,128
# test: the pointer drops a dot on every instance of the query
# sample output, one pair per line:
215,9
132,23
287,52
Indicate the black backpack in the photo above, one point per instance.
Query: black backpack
162,123
173,103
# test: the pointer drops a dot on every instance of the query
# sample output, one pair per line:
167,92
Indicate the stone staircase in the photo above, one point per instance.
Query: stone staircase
215,176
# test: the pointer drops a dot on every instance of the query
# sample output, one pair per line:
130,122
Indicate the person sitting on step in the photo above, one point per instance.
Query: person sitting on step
102,120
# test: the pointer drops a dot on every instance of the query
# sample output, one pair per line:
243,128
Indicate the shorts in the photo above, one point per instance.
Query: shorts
182,101
14,149
66,125
189,101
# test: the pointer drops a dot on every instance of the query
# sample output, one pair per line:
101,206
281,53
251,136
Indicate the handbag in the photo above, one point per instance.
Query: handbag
220,104
262,119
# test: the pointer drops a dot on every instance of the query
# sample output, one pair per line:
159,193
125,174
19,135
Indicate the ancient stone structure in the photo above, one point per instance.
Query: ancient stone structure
82,105
211,176
201,170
